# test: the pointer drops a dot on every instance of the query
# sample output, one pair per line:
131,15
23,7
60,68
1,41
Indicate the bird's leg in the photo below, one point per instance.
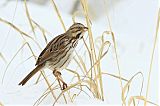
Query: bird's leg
64,84
57,74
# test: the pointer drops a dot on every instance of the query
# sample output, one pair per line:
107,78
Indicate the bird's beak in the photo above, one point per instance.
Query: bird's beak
85,29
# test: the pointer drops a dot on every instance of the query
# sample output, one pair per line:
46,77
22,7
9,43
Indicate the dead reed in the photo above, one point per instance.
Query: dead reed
93,74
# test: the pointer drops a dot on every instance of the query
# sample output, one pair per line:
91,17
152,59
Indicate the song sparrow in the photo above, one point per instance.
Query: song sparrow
58,53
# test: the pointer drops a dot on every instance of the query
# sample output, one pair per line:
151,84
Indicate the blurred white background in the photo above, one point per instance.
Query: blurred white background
132,21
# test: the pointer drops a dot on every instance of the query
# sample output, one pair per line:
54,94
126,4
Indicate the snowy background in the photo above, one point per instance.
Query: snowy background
132,21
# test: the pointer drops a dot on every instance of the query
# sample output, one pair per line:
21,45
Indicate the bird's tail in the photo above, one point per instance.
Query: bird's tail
31,74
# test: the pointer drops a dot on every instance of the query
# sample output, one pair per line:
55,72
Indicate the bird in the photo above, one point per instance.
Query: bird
58,53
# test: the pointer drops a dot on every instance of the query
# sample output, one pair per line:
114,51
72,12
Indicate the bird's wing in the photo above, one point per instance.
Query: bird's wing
52,49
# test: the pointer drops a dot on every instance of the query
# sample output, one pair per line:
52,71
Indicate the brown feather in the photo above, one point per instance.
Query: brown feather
51,49
47,52
31,74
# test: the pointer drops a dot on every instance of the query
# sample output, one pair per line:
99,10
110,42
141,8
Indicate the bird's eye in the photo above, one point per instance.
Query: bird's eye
78,35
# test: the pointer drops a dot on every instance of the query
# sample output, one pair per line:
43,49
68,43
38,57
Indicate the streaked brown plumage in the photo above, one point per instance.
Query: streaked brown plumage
58,52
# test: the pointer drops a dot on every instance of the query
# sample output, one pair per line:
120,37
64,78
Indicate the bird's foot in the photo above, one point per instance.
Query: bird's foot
64,86
57,74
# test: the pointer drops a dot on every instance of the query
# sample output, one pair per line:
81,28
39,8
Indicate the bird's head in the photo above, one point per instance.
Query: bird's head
77,30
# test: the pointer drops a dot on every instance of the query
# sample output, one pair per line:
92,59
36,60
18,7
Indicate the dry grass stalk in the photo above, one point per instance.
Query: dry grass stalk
29,18
42,30
58,13
127,86
3,46
3,58
20,31
132,99
152,55
1,104
11,61
91,42
93,82
117,61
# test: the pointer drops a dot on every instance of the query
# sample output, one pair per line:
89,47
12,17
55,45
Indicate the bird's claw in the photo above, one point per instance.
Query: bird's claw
64,86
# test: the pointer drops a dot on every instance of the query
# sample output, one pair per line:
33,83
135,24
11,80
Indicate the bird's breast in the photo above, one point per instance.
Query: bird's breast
62,60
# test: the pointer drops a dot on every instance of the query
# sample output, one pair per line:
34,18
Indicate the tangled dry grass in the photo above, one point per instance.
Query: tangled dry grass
92,74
